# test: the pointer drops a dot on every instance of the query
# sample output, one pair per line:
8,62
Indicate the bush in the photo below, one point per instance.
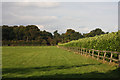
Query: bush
108,42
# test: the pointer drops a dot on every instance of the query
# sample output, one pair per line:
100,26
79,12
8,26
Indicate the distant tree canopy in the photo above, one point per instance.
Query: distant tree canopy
95,32
32,35
71,35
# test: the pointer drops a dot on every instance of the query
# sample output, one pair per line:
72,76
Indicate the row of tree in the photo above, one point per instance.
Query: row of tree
32,35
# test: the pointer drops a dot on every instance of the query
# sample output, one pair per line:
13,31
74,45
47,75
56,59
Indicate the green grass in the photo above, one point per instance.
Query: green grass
51,62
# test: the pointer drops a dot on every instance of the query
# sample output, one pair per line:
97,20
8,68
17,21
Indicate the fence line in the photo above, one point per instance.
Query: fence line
99,54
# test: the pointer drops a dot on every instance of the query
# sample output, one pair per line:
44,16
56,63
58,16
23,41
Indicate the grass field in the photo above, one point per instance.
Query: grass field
51,62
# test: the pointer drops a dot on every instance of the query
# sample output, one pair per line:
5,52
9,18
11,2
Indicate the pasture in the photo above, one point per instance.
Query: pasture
30,62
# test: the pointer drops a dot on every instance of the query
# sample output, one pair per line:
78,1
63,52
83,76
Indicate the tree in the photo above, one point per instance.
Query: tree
57,37
44,42
95,32
32,32
7,33
31,35
71,35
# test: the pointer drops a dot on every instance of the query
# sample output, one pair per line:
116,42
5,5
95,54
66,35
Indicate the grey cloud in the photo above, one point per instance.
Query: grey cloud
32,4
79,16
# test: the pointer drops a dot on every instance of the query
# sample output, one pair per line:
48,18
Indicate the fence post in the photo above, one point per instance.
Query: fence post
104,56
93,53
119,59
98,55
111,57
68,48
86,52
89,52
77,49
81,51
73,49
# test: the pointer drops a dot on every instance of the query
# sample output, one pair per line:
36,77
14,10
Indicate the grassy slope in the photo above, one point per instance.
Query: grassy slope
40,62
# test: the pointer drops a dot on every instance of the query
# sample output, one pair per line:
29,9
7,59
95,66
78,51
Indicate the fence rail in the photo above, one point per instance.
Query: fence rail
110,56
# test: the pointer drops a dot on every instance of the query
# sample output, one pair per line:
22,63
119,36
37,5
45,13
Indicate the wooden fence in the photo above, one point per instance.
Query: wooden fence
110,56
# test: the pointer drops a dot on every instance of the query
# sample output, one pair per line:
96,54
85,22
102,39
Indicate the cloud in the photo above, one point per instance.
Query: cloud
40,26
28,19
85,29
40,18
34,4
60,0
49,17
40,4
82,17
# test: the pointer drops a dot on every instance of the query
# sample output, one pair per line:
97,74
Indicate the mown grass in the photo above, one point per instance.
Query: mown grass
31,62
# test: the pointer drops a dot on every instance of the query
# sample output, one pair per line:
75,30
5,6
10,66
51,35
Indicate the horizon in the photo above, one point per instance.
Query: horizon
58,30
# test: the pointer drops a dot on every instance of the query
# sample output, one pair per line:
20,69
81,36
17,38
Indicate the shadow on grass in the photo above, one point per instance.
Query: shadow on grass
45,68
85,76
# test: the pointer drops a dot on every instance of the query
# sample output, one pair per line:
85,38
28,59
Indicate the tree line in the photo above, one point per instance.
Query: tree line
32,35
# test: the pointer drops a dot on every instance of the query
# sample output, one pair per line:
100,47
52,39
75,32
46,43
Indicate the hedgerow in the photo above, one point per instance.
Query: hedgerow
108,42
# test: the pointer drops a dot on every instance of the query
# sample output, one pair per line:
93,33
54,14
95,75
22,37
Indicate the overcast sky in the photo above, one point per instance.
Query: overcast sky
50,16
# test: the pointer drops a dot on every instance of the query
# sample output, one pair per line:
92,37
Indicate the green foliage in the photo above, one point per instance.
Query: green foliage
109,42
31,35
95,32
57,37
25,35
70,35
